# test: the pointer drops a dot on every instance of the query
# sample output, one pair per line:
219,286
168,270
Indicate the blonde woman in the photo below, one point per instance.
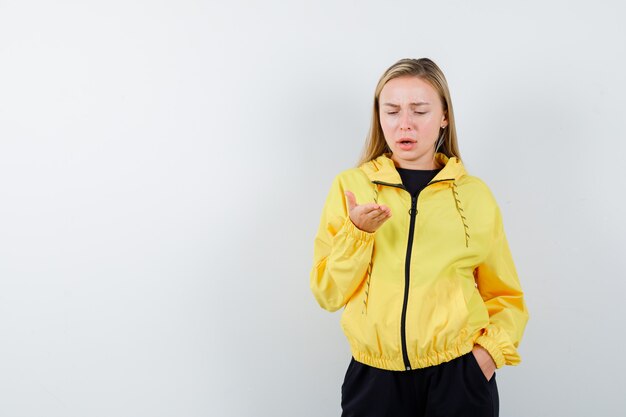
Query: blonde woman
414,248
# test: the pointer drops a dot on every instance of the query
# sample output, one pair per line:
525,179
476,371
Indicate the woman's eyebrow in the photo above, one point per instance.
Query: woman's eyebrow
420,103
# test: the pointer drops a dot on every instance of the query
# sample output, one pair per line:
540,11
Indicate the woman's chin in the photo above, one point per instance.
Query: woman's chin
415,160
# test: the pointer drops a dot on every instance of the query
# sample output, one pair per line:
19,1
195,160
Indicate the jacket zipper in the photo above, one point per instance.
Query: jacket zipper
407,279
407,265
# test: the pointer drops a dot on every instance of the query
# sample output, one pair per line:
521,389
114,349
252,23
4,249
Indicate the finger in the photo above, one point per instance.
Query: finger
377,216
363,210
351,200
375,223
384,213
370,208
383,218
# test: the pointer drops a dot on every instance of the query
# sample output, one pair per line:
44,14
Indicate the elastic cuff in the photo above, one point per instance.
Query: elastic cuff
491,347
357,233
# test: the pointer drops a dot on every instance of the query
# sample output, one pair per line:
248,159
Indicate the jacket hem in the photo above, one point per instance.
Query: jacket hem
433,359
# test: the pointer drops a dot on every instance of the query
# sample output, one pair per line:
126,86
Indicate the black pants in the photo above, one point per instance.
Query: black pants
452,389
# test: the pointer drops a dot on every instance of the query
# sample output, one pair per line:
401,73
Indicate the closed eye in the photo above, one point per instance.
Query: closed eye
415,112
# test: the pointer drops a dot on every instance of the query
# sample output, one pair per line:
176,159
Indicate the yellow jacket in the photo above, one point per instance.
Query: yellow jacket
432,281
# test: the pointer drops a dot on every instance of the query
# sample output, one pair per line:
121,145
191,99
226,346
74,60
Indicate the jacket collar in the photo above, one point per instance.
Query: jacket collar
383,169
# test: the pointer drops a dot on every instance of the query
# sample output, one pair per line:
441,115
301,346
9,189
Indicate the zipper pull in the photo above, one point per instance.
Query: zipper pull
413,210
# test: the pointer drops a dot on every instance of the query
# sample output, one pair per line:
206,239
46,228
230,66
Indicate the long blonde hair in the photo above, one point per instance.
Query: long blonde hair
428,71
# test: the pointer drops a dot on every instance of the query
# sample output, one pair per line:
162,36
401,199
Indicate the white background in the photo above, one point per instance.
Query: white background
163,166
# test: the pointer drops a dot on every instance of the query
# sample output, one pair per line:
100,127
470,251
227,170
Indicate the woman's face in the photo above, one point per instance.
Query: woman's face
411,115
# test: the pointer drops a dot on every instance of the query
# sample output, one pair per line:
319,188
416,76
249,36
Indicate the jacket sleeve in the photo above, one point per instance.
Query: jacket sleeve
500,289
342,252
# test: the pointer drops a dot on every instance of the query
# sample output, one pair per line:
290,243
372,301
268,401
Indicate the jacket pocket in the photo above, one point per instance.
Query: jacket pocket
441,314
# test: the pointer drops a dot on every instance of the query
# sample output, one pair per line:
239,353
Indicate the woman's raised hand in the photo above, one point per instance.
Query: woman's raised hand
367,217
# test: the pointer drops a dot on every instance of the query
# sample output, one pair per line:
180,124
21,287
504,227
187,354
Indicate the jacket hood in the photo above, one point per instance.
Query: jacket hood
383,169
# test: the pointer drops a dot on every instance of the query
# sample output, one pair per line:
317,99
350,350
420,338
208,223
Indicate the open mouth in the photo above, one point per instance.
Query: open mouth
406,144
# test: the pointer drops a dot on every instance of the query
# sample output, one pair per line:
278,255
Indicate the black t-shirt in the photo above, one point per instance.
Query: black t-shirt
416,179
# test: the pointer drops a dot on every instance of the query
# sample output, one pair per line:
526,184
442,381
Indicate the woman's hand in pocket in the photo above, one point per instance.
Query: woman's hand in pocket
486,363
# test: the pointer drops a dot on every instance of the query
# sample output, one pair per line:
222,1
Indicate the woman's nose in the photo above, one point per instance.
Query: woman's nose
405,121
